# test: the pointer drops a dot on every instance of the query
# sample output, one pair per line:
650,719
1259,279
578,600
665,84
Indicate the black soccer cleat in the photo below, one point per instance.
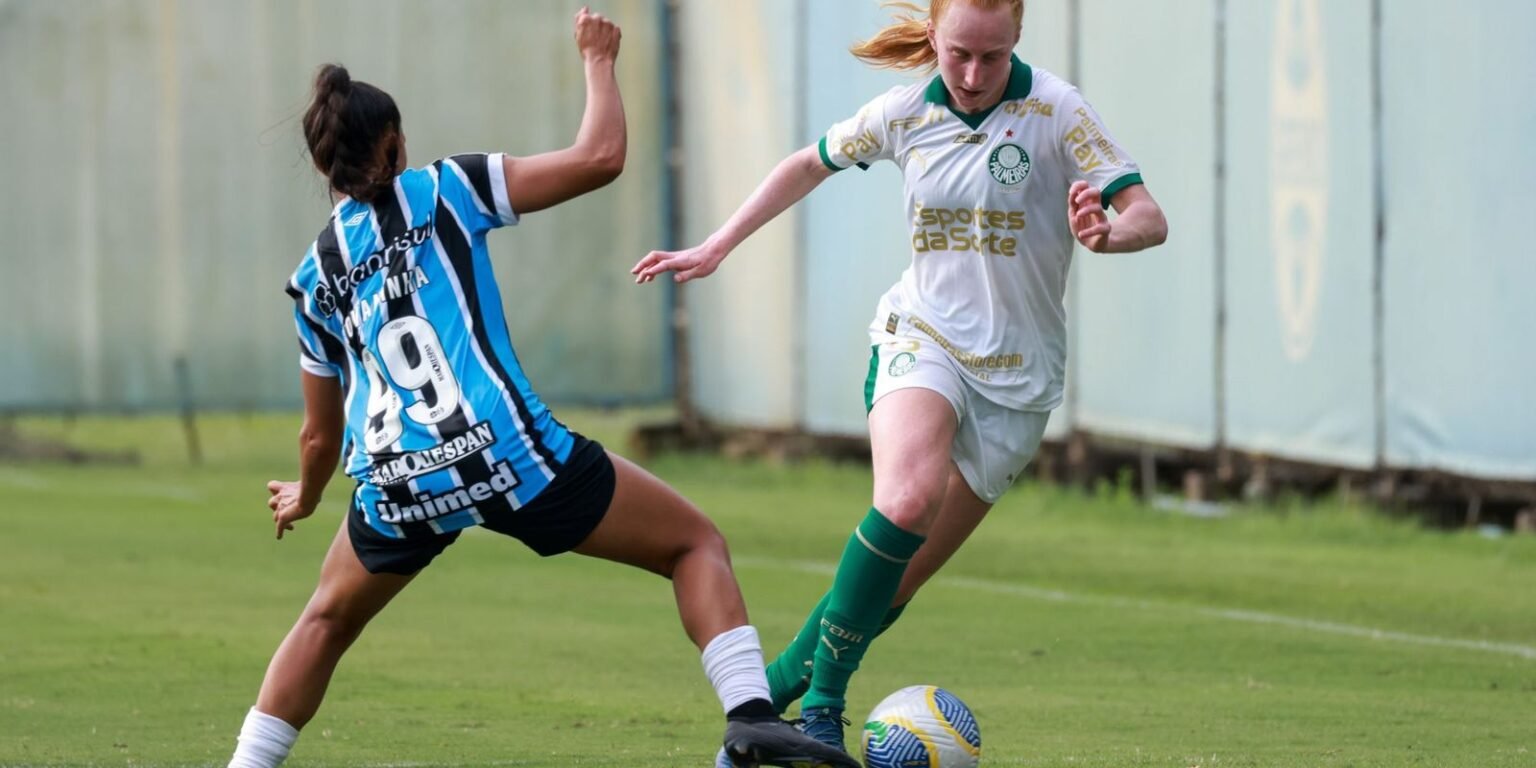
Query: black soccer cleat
771,741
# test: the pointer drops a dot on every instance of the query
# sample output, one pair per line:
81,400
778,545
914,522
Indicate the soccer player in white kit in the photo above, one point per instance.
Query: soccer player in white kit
1003,166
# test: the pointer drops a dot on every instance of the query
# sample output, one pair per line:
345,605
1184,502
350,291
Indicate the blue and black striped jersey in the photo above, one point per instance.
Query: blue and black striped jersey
397,299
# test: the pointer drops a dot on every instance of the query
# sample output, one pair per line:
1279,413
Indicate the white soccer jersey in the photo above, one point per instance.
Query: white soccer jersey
986,199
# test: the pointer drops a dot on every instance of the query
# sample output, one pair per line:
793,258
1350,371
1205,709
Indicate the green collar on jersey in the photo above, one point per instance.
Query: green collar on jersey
1020,81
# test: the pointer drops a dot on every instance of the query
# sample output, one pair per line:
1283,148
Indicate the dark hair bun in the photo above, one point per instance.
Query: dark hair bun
333,78
344,127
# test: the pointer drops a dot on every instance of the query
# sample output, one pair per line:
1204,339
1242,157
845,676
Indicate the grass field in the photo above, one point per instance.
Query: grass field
139,606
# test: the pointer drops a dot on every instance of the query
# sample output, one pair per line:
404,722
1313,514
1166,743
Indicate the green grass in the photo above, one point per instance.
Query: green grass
139,606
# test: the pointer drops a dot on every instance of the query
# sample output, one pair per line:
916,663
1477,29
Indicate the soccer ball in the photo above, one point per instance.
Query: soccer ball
921,726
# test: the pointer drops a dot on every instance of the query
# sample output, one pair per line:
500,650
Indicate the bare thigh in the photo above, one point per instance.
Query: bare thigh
910,434
651,526
648,524
347,592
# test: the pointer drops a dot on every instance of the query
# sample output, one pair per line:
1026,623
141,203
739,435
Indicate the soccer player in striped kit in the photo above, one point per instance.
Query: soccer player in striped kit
408,370
1003,166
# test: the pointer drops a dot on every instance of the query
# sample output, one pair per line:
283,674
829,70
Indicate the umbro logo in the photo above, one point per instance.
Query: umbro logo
357,218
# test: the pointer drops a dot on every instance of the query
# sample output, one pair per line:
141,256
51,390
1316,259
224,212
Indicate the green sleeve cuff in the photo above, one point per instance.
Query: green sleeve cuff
821,146
1128,180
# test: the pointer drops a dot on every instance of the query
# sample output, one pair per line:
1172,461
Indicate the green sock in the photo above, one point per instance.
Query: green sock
790,673
789,676
866,581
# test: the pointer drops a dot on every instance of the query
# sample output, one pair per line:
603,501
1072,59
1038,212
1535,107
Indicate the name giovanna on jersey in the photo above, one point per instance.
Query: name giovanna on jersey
328,298
967,229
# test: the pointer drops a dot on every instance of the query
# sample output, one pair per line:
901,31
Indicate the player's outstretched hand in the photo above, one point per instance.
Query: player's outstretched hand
698,261
287,505
597,38
1085,215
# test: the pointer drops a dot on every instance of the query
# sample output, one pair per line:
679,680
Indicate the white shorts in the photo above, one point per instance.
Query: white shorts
993,443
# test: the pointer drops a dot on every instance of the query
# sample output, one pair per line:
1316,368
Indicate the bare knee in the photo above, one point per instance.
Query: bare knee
911,506
329,624
700,541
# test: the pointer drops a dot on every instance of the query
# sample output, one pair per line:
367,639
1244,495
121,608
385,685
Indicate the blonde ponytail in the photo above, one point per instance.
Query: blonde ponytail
904,43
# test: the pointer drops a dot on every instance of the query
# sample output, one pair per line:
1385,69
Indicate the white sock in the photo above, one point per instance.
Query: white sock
264,741
733,662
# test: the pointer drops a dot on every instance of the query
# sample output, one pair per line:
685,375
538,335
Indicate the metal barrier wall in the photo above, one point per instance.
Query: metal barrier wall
738,89
1459,269
1145,322
1345,281
1300,248
160,195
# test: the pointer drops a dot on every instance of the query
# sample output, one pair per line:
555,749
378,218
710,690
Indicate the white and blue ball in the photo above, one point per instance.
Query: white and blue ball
921,726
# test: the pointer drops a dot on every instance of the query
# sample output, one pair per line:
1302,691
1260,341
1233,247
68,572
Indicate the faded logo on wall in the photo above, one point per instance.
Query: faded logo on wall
1298,165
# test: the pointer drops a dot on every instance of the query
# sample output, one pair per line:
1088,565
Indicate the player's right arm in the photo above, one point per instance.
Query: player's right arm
792,179
319,450
596,158
859,140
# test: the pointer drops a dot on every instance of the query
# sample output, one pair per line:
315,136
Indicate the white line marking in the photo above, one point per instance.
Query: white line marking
1229,614
147,489
23,479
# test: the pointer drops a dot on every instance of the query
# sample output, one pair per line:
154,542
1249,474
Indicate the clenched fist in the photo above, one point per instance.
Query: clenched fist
597,38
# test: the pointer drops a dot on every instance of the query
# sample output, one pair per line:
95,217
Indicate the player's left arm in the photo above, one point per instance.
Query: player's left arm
1138,225
319,450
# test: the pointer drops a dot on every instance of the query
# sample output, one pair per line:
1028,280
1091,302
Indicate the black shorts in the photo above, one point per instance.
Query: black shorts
555,521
